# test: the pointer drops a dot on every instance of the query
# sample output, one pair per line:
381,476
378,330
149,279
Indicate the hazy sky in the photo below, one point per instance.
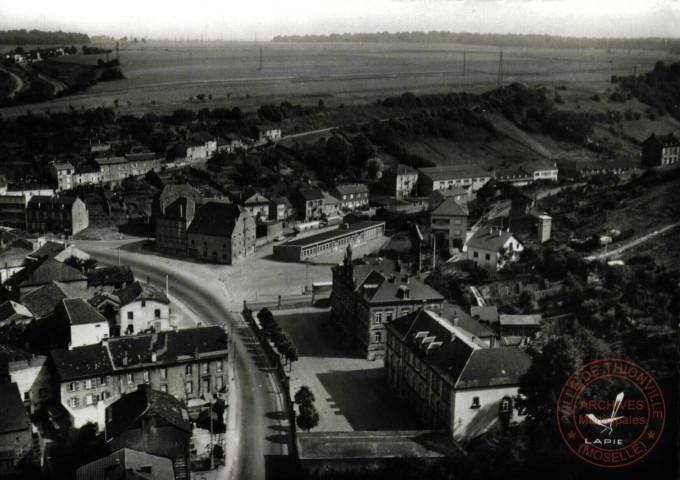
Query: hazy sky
262,19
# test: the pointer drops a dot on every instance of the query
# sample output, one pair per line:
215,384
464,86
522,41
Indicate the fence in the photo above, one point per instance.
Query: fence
275,359
284,303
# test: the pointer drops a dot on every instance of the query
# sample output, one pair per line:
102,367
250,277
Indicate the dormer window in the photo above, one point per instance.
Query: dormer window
505,405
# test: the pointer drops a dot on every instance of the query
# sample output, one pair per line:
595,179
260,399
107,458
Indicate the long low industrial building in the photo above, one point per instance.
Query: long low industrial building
326,242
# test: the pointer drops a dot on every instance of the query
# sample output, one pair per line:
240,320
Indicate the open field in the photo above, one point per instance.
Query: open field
170,72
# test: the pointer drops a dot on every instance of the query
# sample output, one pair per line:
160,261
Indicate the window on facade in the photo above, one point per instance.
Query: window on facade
87,383
204,368
72,387
488,256
506,405
157,326
129,378
27,395
106,395
219,366
475,402
220,382
73,402
378,337
475,254
157,313
102,381
378,317
146,375
131,315
190,387
143,303
187,370
87,400
388,317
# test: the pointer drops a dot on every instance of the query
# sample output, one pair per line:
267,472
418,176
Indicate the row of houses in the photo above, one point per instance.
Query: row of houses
404,181
116,359
104,170
57,214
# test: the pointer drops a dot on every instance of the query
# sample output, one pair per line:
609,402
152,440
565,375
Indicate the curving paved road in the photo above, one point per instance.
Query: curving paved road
258,425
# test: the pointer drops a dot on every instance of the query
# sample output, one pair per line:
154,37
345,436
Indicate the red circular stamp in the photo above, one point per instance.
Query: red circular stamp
611,412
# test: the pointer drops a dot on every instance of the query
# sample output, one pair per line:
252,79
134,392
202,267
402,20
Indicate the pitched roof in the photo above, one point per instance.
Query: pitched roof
454,171
144,401
133,352
13,311
333,234
86,168
485,313
329,199
40,200
79,312
14,416
138,291
282,201
182,208
491,239
256,199
44,271
309,194
44,300
463,363
520,319
490,367
404,169
127,464
216,219
171,193
377,287
110,161
140,157
62,166
451,207
352,188
110,275
668,140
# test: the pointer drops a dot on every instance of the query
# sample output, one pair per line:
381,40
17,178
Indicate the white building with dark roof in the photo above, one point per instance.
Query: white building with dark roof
351,196
493,247
186,364
87,326
439,178
448,379
142,307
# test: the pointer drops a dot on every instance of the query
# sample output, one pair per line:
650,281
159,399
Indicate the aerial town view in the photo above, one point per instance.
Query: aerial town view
423,239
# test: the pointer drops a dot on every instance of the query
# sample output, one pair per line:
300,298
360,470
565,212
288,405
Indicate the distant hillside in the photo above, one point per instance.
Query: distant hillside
659,88
492,39
38,37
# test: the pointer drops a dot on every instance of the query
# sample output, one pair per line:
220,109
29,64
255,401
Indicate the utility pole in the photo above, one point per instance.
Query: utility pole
500,71
434,252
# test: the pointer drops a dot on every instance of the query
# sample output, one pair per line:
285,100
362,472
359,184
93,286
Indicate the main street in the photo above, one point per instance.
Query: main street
260,435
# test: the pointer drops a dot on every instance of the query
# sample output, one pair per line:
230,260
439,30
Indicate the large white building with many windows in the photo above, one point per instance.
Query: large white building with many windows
187,364
451,380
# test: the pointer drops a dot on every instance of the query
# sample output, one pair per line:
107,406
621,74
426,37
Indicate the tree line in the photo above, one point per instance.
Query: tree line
491,39
39,37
